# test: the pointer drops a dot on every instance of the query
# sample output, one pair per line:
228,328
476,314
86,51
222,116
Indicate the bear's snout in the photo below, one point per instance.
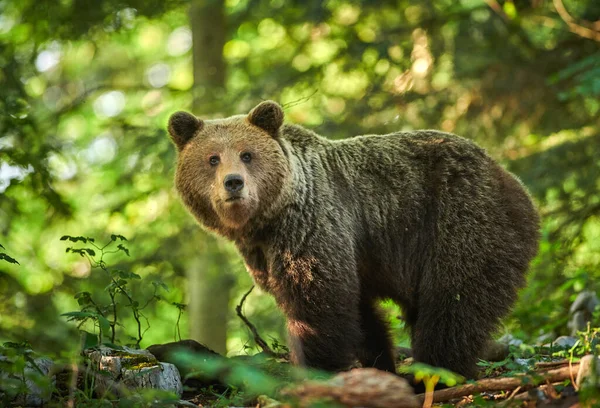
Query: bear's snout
233,183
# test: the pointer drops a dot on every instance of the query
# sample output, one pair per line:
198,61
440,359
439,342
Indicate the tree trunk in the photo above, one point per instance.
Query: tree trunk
207,18
208,274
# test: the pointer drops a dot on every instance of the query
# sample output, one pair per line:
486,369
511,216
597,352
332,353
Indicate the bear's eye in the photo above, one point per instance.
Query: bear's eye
246,157
214,160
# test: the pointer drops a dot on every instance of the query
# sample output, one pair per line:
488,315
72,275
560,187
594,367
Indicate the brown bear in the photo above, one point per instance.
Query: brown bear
329,228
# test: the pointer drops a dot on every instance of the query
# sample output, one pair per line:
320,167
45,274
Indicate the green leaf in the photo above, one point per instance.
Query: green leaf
122,248
80,315
90,251
84,298
82,294
104,323
129,275
510,10
88,340
160,284
17,346
8,259
423,371
76,239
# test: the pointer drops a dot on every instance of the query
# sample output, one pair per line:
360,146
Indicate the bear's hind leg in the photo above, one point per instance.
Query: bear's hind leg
376,349
451,331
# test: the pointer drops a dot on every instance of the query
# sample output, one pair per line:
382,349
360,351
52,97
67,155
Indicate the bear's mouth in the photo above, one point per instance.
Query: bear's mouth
233,198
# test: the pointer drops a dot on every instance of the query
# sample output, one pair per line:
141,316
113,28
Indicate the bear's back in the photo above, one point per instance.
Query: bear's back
424,191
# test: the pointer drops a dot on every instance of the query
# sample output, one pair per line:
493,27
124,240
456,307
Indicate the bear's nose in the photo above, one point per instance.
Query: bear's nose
233,183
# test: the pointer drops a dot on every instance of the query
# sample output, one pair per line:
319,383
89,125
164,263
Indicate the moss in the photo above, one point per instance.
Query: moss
132,361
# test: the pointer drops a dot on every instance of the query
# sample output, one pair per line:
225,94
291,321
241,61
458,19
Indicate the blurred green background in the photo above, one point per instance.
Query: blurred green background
87,87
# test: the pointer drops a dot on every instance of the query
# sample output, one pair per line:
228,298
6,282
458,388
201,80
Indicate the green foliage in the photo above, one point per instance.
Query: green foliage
105,316
17,367
247,378
508,366
431,375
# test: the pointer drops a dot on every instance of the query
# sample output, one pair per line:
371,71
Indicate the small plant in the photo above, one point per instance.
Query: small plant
181,308
106,316
518,360
431,376
278,347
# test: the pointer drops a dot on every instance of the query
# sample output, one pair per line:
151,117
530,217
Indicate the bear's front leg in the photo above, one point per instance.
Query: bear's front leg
322,341
320,297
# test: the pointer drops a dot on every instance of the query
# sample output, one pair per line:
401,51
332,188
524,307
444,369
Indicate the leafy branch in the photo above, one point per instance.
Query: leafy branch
106,316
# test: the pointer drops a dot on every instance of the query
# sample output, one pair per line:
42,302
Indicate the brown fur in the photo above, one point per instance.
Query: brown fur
425,218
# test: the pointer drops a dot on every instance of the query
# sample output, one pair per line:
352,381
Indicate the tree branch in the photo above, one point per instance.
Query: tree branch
257,338
576,28
504,384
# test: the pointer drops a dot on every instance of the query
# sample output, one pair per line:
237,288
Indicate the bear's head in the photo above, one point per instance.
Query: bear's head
231,170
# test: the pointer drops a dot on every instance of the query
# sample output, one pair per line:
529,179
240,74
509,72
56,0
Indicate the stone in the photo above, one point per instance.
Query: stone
586,300
510,340
132,369
586,369
581,311
565,342
544,338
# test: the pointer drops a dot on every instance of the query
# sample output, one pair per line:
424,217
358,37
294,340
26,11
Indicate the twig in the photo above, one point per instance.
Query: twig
572,377
502,384
73,385
257,339
494,5
547,389
512,394
551,364
299,101
576,28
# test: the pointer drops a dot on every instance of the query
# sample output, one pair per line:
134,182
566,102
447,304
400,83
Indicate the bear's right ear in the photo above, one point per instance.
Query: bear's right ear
182,127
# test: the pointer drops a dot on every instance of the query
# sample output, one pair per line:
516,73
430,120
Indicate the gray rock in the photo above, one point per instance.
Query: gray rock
586,369
578,322
544,338
36,394
510,340
563,342
132,369
586,300
526,363
581,311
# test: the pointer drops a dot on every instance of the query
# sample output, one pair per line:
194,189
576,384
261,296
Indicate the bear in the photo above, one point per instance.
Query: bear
331,227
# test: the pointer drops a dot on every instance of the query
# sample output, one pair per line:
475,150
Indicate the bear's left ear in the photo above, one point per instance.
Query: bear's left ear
182,127
268,116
